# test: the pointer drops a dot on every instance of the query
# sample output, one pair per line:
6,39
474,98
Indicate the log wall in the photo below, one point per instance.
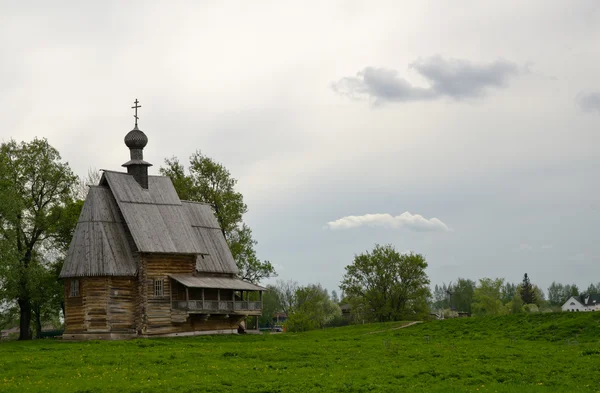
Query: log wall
155,311
104,304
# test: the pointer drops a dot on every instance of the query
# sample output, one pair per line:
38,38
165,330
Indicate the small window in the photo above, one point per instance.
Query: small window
572,304
74,292
158,287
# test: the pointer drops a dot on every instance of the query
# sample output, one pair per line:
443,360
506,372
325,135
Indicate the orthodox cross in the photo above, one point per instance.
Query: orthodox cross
136,102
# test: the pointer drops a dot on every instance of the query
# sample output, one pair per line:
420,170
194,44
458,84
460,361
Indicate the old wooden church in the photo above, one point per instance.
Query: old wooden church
142,262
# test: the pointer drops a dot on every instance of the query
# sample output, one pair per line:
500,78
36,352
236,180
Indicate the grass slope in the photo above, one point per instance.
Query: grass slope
522,353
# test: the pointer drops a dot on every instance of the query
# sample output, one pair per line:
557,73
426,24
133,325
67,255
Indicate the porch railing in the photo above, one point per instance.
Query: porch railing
216,306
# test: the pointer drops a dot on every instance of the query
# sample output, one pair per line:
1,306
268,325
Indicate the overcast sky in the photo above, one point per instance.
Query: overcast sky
467,131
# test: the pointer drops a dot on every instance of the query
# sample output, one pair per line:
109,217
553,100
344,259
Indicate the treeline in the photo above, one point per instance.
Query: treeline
303,307
497,297
379,286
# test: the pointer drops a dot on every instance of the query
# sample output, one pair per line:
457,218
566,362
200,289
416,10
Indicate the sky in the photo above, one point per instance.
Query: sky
465,131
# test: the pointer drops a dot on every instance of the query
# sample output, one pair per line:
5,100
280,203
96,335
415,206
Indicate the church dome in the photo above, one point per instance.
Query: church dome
136,139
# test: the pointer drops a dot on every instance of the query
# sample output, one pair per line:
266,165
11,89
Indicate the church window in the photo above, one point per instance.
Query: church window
74,292
158,287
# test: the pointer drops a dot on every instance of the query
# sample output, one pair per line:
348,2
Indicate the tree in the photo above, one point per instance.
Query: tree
286,295
570,290
593,289
210,182
440,298
391,286
556,294
526,291
270,306
462,294
33,182
314,309
335,297
509,291
488,297
83,185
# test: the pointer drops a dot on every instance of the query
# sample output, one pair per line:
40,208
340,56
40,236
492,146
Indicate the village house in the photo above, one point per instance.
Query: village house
582,303
142,262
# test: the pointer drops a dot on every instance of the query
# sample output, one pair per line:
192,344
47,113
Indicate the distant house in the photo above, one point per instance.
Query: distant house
142,262
582,303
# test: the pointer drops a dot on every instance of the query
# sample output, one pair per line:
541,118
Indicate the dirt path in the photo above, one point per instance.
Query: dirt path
396,328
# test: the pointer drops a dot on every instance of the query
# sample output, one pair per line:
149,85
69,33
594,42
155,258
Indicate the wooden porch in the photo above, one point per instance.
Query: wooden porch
218,307
214,296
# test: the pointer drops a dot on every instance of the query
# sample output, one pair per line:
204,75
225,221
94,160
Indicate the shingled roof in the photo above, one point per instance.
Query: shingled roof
158,221
99,246
155,216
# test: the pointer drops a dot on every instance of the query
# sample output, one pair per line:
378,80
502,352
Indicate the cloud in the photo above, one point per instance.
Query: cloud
454,78
406,220
589,101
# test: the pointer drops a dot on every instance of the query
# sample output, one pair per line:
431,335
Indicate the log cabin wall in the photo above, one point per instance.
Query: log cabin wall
104,304
155,311
74,309
121,306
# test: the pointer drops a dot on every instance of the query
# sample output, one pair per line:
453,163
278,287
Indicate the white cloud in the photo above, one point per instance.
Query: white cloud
406,220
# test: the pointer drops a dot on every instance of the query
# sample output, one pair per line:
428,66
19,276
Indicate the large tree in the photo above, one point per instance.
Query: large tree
462,294
487,298
391,286
33,182
210,182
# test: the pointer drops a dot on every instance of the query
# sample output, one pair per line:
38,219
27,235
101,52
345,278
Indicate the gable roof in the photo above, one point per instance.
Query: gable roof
120,210
99,246
205,227
589,300
155,217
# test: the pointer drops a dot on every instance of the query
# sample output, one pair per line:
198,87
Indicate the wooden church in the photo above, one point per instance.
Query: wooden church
142,262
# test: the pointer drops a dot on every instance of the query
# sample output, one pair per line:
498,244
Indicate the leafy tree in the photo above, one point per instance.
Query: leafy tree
314,309
462,294
593,289
271,305
539,296
571,290
390,286
509,291
440,297
526,291
515,306
334,297
33,181
488,297
556,293
210,182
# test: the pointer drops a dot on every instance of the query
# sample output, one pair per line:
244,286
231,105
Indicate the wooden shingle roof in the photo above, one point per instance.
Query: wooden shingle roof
205,226
99,246
155,219
155,216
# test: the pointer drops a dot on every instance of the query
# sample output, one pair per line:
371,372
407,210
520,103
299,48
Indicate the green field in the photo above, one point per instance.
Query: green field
521,353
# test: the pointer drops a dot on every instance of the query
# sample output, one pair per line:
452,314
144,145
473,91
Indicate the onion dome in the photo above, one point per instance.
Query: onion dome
136,139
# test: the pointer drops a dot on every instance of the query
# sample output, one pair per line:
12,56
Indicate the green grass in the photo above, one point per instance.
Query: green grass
523,353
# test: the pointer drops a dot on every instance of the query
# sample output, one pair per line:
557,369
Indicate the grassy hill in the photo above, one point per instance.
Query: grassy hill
521,353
